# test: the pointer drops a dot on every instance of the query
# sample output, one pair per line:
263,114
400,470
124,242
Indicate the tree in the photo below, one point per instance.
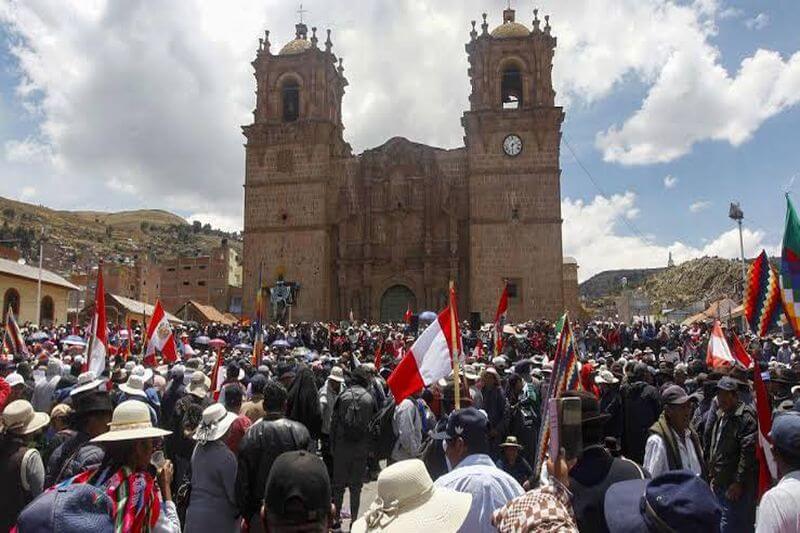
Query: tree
144,226
197,226
206,228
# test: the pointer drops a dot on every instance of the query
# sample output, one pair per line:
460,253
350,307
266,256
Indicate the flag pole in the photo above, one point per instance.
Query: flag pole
454,349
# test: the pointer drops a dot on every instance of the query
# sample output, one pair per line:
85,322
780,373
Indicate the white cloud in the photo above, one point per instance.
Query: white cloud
592,234
759,22
692,84
700,205
670,181
217,221
27,193
26,151
118,185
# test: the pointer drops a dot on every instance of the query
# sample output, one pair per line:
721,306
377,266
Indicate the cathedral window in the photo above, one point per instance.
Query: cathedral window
511,88
290,94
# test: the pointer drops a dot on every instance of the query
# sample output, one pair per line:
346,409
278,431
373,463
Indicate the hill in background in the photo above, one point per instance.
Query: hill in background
76,240
705,279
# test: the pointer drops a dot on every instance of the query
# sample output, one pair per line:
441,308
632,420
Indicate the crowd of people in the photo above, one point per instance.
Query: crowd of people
222,440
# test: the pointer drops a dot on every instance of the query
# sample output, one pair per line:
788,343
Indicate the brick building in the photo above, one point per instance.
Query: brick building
373,232
213,279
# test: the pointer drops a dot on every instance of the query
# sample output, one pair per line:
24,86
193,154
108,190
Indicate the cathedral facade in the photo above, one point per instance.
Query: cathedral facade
377,232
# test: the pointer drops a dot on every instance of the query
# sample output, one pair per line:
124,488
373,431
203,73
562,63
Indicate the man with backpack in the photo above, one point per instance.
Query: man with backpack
350,440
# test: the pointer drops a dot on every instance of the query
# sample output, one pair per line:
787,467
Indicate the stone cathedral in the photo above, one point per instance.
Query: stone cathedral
375,232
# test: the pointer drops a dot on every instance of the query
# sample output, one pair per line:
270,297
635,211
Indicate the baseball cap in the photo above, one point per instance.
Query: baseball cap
785,433
678,500
468,424
674,395
298,489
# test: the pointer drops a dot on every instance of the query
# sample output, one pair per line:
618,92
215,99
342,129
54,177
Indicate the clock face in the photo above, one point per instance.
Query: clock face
512,145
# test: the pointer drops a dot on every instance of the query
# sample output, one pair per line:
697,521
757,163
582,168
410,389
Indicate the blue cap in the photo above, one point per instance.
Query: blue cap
468,424
678,500
78,508
785,433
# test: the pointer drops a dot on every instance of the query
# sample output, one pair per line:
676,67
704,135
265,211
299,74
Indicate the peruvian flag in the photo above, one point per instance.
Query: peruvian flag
743,358
718,353
217,377
767,468
429,358
160,337
378,354
499,320
477,353
407,315
98,338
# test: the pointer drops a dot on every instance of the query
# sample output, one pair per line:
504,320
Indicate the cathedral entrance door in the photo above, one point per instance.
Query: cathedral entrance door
394,303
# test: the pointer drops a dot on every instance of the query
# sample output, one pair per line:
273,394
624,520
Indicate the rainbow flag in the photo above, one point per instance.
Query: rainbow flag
565,376
762,297
790,268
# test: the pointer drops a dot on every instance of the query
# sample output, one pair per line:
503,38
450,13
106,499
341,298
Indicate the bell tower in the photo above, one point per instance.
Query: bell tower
292,149
512,138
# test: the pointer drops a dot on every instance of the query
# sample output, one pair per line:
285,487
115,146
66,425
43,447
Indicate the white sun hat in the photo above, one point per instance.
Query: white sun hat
134,386
19,418
605,377
215,423
130,421
86,381
408,501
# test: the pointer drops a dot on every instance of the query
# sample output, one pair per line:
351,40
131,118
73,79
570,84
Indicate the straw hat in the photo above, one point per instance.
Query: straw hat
86,381
215,423
337,374
408,501
511,442
198,385
130,421
134,386
605,377
19,418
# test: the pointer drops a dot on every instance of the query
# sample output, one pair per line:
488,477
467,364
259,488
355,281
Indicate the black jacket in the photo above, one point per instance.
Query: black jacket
733,457
261,445
641,407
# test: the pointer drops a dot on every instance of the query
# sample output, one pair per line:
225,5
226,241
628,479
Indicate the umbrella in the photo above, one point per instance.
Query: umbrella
244,347
217,343
428,316
280,343
202,340
74,340
39,336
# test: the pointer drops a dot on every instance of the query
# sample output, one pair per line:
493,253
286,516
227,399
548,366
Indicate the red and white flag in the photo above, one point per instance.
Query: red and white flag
499,319
718,353
477,353
217,375
12,338
98,338
767,468
160,338
407,315
429,358
739,353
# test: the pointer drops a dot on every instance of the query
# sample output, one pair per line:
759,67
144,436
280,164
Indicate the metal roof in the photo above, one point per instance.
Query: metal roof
137,307
13,268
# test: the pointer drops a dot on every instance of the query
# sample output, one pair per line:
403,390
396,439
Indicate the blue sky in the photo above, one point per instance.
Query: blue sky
120,105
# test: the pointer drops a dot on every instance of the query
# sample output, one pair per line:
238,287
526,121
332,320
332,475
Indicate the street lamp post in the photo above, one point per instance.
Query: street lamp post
735,213
39,283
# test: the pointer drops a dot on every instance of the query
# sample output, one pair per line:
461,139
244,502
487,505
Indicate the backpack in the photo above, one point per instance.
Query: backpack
353,423
381,428
77,507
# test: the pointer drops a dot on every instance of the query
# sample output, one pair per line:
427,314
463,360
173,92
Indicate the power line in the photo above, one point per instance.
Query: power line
627,221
